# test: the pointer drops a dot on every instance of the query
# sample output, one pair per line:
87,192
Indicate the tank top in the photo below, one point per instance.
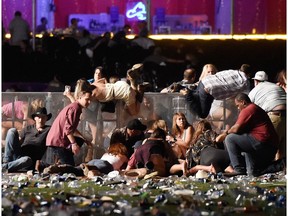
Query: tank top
115,160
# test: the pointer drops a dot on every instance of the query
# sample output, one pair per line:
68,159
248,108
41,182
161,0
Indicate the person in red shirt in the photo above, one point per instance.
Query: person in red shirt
252,141
61,139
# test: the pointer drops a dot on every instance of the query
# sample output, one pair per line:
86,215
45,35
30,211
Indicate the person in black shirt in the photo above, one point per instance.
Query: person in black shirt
24,149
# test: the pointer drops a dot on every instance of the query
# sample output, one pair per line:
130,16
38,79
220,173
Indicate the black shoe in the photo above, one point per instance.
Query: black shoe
137,67
39,166
149,165
276,166
139,165
4,168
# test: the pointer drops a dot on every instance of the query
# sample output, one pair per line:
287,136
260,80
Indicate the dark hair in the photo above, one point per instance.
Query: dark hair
189,73
158,133
73,20
246,68
18,13
127,26
243,97
99,68
281,75
43,19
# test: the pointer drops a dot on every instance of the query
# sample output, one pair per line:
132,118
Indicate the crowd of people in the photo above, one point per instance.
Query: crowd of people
252,142
183,149
75,50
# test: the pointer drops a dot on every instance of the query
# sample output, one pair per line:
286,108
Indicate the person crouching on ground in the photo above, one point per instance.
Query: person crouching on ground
61,140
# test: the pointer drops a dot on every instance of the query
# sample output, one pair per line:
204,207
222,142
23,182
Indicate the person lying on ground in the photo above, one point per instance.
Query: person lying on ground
114,159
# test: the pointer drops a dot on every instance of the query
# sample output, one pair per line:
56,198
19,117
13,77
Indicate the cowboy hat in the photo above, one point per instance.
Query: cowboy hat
41,111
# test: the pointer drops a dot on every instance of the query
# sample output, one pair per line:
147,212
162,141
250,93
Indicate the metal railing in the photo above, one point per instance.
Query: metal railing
155,105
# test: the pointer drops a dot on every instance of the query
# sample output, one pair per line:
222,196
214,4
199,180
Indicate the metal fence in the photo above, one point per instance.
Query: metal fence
154,106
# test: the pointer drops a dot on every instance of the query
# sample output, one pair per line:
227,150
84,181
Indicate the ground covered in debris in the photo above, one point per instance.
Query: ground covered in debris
116,194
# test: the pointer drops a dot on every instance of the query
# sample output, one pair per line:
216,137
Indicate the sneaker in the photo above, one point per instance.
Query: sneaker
143,86
276,166
52,169
137,66
133,74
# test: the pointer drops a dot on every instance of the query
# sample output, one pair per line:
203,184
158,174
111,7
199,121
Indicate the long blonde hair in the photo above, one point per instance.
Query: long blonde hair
160,123
206,72
82,85
35,104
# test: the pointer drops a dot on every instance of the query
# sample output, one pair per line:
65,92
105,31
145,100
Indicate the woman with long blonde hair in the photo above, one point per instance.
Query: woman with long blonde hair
181,134
208,69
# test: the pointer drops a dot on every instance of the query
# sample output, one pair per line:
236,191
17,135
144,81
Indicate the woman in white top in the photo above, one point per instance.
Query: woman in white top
114,159
181,134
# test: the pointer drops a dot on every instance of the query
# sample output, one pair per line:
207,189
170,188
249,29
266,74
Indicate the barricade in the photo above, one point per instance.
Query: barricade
154,106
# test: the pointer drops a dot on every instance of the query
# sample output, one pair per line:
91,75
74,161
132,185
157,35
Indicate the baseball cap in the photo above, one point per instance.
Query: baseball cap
261,76
136,124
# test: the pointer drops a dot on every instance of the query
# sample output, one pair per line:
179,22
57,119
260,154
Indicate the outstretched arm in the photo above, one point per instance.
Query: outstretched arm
69,95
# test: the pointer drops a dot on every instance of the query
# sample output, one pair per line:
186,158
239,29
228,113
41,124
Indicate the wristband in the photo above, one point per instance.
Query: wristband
70,145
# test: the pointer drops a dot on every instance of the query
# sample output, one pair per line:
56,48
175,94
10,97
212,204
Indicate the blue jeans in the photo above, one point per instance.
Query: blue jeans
13,160
248,154
199,101
102,165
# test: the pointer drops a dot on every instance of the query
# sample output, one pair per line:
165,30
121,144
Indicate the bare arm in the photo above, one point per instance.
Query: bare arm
234,129
74,147
187,139
25,114
70,96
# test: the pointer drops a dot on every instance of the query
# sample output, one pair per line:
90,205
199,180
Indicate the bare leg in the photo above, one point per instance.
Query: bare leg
93,129
182,166
196,168
133,109
90,150
229,169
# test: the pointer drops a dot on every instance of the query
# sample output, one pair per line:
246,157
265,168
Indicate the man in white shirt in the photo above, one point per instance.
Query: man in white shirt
222,85
272,98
